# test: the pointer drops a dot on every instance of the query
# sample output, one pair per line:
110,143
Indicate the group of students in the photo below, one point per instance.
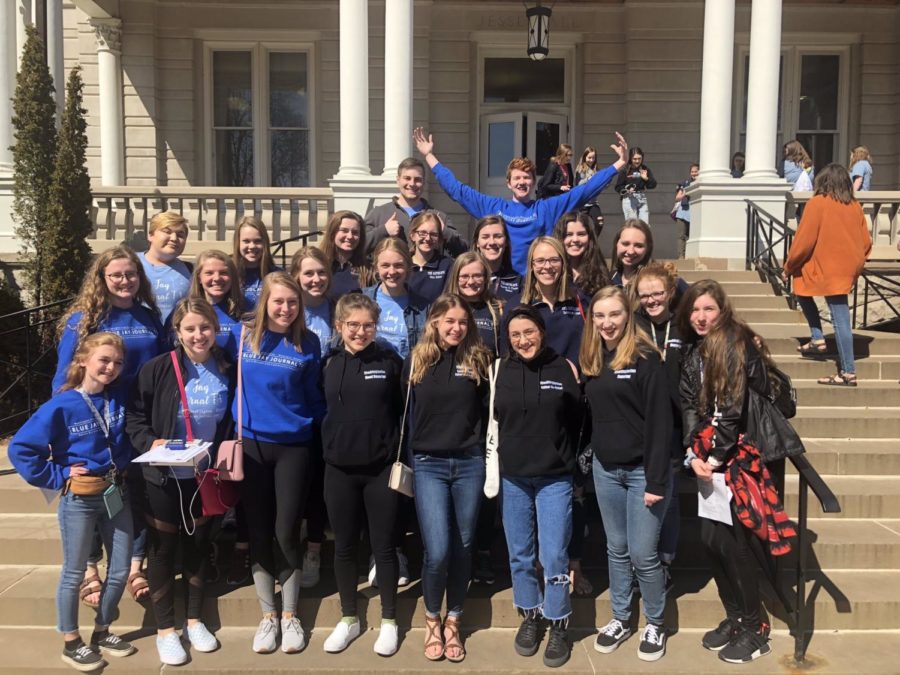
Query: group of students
322,370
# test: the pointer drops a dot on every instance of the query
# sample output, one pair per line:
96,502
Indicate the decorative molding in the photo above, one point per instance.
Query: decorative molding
108,33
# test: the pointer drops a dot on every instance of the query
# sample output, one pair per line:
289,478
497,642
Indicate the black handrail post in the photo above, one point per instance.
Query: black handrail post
800,606
748,248
28,366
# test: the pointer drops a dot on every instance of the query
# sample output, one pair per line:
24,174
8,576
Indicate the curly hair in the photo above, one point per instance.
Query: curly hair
93,297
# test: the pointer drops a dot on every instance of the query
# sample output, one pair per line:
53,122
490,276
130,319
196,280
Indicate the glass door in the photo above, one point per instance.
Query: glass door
501,140
544,134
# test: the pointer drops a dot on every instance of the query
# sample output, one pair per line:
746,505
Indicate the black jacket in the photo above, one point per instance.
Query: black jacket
155,405
363,395
553,180
668,340
447,409
539,411
630,179
732,415
491,327
631,418
507,284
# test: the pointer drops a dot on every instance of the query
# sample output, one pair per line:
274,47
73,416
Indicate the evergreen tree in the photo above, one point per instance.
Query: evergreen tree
34,111
66,253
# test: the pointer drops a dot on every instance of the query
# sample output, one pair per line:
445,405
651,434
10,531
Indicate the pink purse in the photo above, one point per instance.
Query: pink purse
230,458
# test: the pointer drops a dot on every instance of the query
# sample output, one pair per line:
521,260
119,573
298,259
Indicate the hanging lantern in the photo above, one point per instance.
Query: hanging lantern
538,31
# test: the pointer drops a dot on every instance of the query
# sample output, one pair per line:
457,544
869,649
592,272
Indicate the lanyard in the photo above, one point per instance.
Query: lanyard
104,422
665,340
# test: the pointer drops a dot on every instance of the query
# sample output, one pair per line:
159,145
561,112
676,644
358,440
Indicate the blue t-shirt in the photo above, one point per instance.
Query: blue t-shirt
138,327
392,329
225,323
170,283
862,169
318,320
207,393
251,288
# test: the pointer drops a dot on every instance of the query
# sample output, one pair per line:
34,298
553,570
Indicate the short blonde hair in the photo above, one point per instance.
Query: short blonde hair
168,219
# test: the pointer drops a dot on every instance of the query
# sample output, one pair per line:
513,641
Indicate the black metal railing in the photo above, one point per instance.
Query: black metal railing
279,248
876,287
29,361
768,243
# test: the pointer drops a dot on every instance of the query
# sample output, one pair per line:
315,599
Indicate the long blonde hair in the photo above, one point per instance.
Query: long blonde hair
234,301
530,291
494,304
75,372
259,319
858,153
635,343
471,355
267,264
93,297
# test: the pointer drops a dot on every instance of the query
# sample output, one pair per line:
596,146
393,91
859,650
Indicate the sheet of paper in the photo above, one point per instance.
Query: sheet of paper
714,499
163,456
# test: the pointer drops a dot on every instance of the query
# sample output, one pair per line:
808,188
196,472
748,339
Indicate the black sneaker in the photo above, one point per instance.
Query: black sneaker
528,637
611,636
111,645
556,653
653,643
83,658
481,570
719,637
746,646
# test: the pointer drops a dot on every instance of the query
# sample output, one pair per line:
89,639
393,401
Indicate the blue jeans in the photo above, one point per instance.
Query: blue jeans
634,205
448,495
544,502
840,319
78,516
632,536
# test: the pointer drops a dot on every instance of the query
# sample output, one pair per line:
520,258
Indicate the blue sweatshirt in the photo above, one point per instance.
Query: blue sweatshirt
171,283
225,324
281,388
525,220
66,424
141,330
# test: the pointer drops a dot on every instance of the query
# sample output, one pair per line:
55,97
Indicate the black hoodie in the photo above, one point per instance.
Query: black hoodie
538,407
447,409
363,394
632,418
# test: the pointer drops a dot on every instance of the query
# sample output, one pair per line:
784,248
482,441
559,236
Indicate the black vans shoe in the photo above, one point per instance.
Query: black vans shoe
83,658
557,651
528,637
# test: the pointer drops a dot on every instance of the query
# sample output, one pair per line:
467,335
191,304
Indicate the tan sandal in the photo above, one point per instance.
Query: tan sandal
89,586
138,587
452,641
433,638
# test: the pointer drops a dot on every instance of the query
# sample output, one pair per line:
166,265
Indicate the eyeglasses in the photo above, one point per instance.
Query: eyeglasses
527,334
421,234
545,262
122,276
356,326
466,278
655,295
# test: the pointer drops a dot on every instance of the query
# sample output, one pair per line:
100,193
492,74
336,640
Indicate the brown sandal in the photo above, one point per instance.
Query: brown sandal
138,587
452,641
89,586
433,638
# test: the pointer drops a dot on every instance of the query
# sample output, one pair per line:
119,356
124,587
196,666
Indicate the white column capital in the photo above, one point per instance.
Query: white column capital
109,34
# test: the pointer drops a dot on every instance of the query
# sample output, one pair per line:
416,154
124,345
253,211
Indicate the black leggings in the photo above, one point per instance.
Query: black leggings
347,492
315,504
734,569
164,533
273,492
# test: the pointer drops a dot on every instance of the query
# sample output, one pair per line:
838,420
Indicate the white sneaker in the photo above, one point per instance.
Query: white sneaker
309,573
388,640
403,566
266,639
201,639
171,651
293,639
341,637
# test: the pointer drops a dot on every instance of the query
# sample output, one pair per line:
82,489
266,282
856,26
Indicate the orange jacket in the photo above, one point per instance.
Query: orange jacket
830,248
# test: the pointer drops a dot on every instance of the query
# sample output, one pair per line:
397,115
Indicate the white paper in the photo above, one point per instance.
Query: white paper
163,456
714,499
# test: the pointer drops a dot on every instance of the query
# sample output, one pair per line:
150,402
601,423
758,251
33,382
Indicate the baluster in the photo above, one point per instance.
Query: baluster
268,213
121,218
140,217
304,215
101,217
881,227
193,211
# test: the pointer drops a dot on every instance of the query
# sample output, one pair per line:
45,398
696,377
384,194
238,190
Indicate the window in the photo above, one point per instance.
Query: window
260,121
521,80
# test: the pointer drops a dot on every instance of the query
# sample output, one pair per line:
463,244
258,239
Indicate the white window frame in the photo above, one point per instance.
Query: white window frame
793,48
259,86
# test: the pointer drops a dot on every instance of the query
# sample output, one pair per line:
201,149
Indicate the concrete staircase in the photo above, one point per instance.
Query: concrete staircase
851,437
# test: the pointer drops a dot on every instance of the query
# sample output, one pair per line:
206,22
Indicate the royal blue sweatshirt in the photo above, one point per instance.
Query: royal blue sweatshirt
524,220
225,324
428,280
66,424
141,330
282,393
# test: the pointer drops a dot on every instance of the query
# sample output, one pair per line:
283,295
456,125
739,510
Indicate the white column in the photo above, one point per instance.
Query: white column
398,83
23,19
715,97
354,101
54,19
8,52
112,123
762,89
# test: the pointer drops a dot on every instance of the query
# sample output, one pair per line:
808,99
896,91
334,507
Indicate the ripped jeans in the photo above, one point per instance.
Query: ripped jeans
545,502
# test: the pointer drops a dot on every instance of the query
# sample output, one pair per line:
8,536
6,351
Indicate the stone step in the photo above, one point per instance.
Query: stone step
854,599
868,393
853,457
782,315
746,287
36,651
875,497
783,339
758,301
847,422
881,369
722,276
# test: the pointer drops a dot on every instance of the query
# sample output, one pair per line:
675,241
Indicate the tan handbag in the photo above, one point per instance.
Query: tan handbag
401,478
230,456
